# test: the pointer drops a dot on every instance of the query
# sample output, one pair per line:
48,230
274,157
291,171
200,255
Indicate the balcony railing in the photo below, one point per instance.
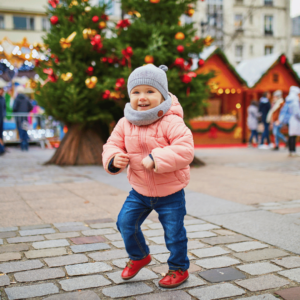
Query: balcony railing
268,32
268,2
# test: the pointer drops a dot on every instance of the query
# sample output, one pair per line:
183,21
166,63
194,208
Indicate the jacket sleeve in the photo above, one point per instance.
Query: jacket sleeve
114,145
284,114
30,106
16,105
180,152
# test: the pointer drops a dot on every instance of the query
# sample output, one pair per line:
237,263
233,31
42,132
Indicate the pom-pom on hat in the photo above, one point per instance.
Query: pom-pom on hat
150,75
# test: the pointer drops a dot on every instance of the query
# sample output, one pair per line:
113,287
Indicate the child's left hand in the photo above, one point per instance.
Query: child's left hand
148,163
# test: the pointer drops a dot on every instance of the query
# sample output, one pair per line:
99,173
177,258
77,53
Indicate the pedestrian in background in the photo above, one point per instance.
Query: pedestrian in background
252,121
264,107
273,118
2,112
22,105
290,114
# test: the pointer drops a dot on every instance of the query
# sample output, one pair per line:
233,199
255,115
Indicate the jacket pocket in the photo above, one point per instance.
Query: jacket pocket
180,176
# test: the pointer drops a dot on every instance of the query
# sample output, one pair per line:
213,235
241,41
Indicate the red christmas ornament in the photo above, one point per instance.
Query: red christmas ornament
123,61
192,74
54,20
201,62
96,42
128,52
104,17
53,3
283,59
186,79
110,60
123,23
179,62
119,83
90,71
37,62
95,19
180,48
106,94
51,76
196,38
104,59
56,60
71,18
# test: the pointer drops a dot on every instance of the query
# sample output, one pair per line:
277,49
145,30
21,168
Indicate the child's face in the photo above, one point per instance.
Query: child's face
144,97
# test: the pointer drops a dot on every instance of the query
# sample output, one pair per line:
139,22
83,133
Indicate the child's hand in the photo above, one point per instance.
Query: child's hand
121,161
148,163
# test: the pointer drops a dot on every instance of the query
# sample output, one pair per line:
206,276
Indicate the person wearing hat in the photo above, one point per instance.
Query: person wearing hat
273,118
153,140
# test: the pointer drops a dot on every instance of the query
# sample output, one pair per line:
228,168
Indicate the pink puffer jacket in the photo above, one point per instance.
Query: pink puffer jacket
168,140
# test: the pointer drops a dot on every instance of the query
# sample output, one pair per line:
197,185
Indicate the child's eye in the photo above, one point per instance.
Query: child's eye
136,92
150,92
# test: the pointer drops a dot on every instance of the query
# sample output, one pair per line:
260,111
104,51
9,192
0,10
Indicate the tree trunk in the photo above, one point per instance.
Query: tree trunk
79,147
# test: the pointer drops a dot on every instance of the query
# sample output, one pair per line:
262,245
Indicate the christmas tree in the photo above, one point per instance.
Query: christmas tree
89,62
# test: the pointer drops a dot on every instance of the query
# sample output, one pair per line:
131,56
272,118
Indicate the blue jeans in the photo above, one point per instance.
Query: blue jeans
254,133
24,138
278,135
265,134
171,211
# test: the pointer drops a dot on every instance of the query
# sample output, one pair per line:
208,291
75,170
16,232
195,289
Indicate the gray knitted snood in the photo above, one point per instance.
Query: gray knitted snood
140,118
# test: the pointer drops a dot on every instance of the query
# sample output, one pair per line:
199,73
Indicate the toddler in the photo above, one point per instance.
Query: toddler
153,140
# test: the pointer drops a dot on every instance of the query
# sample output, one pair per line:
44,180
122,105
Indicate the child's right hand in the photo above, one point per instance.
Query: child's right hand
121,161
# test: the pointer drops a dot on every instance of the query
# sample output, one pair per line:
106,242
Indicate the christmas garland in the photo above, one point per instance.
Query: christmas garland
213,124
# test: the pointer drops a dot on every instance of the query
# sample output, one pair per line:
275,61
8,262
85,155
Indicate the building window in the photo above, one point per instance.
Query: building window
269,2
275,77
268,25
25,23
268,50
45,24
2,22
238,21
238,53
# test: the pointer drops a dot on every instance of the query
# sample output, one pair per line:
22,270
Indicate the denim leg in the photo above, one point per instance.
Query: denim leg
251,136
171,211
133,213
281,135
265,133
275,133
256,135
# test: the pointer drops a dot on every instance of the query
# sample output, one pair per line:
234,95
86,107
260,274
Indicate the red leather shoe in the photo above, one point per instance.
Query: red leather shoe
134,266
174,279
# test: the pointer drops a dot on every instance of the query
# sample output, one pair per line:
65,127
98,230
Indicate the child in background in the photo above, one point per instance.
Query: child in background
153,140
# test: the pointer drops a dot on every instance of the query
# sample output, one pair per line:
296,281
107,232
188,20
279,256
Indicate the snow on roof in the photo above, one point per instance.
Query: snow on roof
251,70
296,68
205,54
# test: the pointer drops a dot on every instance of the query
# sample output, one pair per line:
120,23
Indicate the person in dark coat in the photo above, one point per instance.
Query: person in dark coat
264,107
2,112
22,105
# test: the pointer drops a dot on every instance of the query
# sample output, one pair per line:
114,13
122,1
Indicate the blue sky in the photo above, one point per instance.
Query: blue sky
295,8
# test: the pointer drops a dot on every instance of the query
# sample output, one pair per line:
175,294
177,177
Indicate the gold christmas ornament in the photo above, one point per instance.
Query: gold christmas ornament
190,12
208,40
134,12
88,33
85,0
149,59
102,24
66,43
154,1
91,82
179,23
179,36
73,3
87,9
66,77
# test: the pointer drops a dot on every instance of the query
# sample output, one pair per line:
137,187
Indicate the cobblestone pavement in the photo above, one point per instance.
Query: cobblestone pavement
83,260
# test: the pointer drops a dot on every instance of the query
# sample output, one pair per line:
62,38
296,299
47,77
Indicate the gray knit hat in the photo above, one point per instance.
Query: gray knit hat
150,75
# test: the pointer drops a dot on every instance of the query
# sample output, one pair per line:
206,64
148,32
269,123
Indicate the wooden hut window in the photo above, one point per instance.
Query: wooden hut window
275,77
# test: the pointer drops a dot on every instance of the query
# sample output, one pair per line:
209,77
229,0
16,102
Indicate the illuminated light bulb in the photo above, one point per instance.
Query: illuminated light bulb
238,91
238,105
220,91
227,91
232,91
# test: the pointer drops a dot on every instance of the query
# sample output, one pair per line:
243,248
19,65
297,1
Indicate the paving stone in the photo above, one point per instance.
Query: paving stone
163,269
26,239
72,228
155,226
224,232
14,248
98,231
30,227
217,291
222,275
289,294
163,258
260,297
262,283
89,268
82,295
226,239
127,290
66,260
158,249
259,268
36,231
88,240
202,227
247,246
114,237
46,252
63,235
217,262
104,220
89,247
108,255
178,295
10,256
121,263
260,254
50,244
20,266
191,282
84,282
1,242
64,224
208,252
5,229
144,274
293,274
157,239
119,244
195,245
37,290
193,222
104,225
8,234
38,275
4,280
200,234
157,232
288,262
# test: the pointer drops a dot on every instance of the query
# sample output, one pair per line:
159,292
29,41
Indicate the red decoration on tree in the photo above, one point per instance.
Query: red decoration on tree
196,38
283,59
110,60
201,62
119,83
71,18
53,3
104,59
123,61
123,23
96,42
105,17
37,62
95,19
106,94
54,20
192,74
90,71
179,62
128,52
180,48
186,79
51,76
